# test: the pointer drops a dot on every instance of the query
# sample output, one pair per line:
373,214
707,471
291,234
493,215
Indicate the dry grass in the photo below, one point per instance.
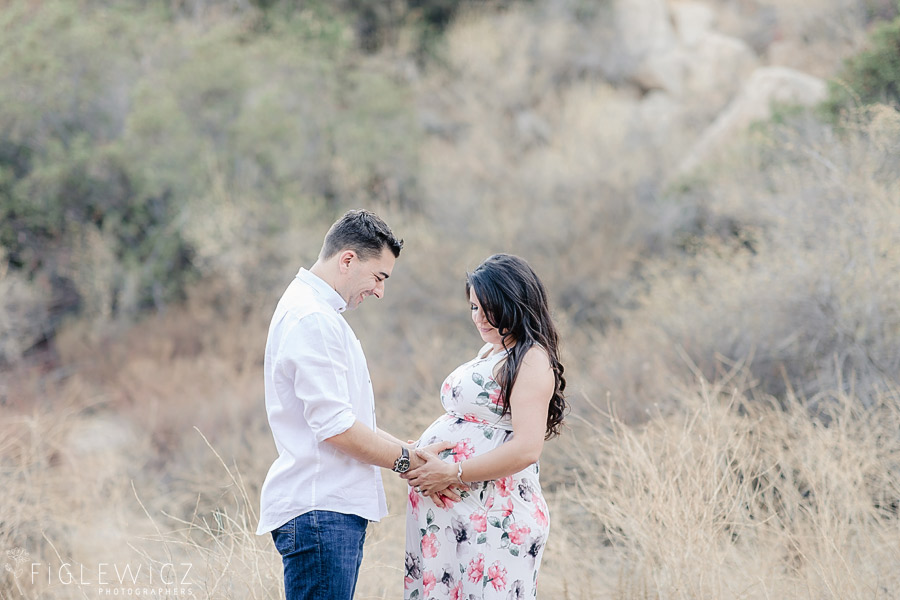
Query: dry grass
743,325
737,498
727,496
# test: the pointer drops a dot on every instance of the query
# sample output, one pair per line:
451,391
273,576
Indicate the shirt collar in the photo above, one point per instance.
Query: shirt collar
324,290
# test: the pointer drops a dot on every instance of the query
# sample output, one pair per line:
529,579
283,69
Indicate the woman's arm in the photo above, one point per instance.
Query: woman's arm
529,403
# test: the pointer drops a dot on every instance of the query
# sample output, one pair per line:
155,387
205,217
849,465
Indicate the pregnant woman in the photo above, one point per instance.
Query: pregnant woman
500,407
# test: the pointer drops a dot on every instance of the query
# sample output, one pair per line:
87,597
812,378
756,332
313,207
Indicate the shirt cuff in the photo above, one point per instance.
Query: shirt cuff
339,424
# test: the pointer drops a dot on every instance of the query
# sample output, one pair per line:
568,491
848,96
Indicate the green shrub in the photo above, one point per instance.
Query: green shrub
116,124
63,109
872,76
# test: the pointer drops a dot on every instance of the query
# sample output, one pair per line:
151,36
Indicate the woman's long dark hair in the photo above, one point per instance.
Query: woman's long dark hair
514,301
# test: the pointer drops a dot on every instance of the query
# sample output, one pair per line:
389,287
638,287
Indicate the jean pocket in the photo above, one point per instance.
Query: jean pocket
285,538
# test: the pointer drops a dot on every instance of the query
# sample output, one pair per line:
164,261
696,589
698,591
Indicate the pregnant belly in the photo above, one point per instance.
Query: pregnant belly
470,437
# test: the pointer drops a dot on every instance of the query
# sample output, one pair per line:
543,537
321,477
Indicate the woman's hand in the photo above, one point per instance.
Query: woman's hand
446,498
433,476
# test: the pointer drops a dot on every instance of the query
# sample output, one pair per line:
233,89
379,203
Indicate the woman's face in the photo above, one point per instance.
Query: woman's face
488,332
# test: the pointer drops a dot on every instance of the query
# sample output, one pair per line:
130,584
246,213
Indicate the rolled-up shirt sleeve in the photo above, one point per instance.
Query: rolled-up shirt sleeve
314,358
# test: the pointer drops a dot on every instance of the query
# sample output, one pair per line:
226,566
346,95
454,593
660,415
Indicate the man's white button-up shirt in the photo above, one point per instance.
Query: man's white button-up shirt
317,384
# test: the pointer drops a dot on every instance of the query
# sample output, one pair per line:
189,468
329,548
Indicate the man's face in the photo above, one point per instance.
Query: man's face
364,278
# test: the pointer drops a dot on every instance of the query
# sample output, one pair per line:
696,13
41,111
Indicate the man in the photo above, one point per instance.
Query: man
325,486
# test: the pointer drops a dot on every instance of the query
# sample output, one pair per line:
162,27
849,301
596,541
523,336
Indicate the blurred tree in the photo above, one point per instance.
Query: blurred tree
121,131
379,22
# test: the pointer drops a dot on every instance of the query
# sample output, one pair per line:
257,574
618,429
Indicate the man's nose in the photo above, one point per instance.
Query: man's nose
379,290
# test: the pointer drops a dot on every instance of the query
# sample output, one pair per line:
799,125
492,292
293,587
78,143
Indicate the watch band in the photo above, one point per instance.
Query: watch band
401,465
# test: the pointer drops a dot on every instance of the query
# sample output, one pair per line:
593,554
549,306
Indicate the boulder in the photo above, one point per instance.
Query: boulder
648,43
767,85
715,67
663,71
644,27
712,68
674,49
692,21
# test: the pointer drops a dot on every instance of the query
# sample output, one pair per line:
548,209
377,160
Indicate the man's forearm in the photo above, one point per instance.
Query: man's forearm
378,447
385,435
365,445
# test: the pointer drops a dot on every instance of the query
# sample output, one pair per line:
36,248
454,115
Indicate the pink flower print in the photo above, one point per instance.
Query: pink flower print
462,450
428,581
497,575
456,593
489,504
505,486
430,545
508,508
495,398
415,499
472,418
445,389
517,533
479,521
476,569
540,511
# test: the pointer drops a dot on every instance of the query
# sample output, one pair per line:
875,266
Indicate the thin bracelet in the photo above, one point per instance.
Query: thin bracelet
459,473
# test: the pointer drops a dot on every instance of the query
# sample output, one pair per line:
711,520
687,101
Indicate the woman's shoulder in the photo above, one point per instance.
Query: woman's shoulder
535,375
536,358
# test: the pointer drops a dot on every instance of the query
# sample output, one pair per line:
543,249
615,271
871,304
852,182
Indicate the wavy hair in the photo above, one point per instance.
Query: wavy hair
514,301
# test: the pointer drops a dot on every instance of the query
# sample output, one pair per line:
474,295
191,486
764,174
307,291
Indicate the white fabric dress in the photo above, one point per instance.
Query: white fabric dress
490,544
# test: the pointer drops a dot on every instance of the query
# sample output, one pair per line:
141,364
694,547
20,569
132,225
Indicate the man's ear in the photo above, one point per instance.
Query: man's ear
344,260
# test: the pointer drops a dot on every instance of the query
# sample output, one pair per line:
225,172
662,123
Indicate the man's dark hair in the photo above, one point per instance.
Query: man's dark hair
363,232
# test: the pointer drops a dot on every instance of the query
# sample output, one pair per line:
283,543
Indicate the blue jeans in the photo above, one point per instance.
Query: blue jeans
321,551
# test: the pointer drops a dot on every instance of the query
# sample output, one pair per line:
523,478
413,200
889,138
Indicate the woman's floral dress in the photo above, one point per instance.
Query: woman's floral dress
488,545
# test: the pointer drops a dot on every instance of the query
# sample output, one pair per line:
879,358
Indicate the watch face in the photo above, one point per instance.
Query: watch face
402,465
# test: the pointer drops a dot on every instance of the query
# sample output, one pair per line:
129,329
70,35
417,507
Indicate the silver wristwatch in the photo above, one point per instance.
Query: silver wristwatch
401,465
